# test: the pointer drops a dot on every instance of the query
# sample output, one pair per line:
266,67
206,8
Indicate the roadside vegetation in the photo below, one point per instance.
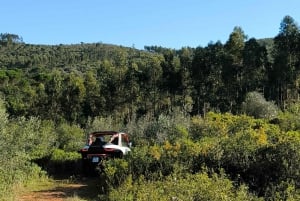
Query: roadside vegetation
219,157
216,157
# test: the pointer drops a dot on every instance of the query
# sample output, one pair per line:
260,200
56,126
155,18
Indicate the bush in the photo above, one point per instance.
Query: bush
70,137
255,105
64,163
289,121
149,130
143,160
115,171
102,124
282,191
220,125
22,141
60,155
188,187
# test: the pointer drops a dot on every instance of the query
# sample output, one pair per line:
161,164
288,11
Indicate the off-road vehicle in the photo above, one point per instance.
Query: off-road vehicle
103,145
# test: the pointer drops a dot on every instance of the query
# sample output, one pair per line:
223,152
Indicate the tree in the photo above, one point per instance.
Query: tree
185,57
94,102
54,90
150,81
235,46
233,66
74,93
286,66
132,88
255,63
206,77
7,39
170,76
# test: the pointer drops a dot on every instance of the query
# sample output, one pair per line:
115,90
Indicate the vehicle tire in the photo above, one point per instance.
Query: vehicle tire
118,154
85,167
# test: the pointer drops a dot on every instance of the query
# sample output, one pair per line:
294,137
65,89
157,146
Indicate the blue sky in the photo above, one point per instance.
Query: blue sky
167,23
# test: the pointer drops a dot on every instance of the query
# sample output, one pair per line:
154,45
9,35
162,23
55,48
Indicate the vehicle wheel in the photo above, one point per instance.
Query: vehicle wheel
118,155
85,167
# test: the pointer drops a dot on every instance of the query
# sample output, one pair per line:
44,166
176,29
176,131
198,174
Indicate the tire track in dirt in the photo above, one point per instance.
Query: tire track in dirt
85,189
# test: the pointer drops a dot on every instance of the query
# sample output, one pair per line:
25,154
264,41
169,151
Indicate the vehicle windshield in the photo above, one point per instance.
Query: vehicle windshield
108,138
103,139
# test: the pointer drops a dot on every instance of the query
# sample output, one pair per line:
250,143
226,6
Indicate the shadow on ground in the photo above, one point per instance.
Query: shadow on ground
83,188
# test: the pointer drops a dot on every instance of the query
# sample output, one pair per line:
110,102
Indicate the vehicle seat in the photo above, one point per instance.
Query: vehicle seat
98,142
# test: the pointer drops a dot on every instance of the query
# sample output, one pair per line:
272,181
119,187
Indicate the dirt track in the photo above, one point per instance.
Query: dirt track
83,189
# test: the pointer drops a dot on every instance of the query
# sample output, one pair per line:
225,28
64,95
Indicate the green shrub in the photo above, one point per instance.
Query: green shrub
211,125
70,137
18,173
220,125
59,155
149,130
255,105
64,163
143,160
22,141
115,171
289,121
282,191
189,187
103,123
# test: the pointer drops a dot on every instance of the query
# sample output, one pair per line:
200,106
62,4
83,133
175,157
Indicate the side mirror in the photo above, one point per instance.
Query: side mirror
130,144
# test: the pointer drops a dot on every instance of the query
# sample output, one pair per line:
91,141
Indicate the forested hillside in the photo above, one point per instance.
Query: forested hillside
75,82
223,115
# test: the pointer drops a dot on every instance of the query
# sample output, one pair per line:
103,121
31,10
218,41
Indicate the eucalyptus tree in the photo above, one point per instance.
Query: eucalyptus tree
152,92
233,66
170,76
107,80
131,89
285,72
74,93
93,103
186,57
255,64
54,90
206,77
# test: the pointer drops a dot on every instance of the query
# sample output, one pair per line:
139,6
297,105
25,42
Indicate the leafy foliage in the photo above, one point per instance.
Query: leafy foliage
255,105
76,82
191,187
259,157
70,137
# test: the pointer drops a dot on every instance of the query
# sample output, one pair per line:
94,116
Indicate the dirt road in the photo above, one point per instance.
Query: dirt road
84,189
